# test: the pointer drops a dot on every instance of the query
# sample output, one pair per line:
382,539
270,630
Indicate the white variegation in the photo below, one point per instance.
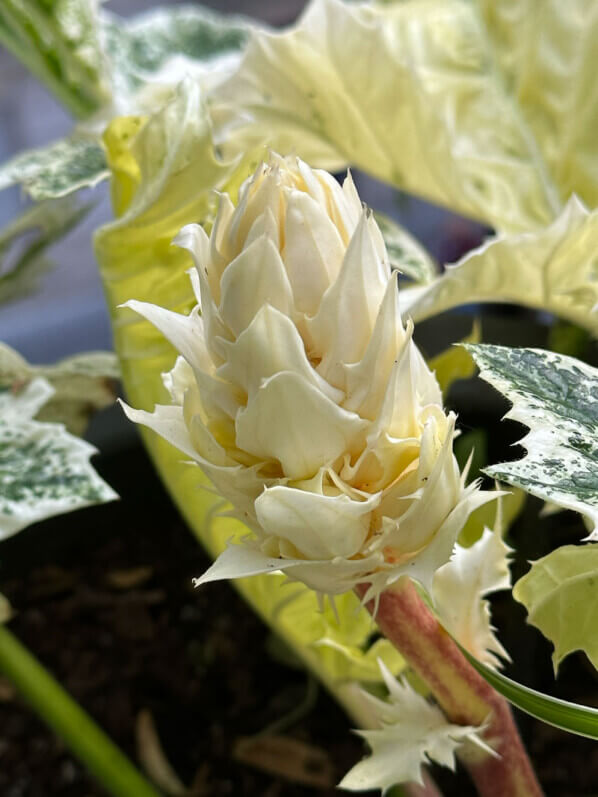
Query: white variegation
18,405
147,55
411,733
134,66
552,269
556,396
459,590
44,470
57,169
302,396
82,384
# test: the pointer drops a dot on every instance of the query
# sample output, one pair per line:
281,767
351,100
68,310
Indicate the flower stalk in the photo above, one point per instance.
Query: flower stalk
79,732
465,697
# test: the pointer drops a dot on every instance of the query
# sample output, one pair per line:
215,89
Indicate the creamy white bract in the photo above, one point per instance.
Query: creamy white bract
302,396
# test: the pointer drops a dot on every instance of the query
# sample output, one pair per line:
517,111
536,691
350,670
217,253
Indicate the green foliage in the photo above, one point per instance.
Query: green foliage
571,717
455,362
560,593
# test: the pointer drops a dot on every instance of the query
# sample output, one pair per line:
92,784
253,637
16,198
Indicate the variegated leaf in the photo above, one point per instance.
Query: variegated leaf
57,169
166,43
83,384
44,470
557,398
58,41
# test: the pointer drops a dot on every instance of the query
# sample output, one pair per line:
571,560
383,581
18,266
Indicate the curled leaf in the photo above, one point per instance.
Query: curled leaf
552,269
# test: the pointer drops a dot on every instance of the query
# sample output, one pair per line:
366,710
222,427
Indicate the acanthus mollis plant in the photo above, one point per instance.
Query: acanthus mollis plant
496,132
303,398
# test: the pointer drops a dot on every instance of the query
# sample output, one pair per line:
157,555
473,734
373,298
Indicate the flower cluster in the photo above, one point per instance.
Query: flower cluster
302,395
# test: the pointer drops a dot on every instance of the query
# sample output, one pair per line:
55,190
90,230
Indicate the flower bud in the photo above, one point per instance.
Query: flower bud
302,396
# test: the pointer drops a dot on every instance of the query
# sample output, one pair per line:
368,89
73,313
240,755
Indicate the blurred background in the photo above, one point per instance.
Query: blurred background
68,314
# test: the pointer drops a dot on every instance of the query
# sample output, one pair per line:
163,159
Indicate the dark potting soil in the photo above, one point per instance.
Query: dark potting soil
104,598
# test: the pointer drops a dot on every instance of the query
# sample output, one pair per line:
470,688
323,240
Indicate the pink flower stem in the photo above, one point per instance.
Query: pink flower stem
465,697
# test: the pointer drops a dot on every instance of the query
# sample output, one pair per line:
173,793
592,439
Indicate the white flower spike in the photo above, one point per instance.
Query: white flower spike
302,396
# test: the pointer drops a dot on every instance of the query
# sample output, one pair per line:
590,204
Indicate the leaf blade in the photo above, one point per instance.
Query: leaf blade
555,397
44,470
562,714
551,269
560,595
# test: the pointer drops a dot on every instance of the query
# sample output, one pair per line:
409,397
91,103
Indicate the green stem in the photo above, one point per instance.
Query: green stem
90,744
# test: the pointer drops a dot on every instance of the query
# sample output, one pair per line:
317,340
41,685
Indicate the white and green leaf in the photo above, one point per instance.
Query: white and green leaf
560,593
138,64
44,470
59,43
64,166
167,43
557,398
82,384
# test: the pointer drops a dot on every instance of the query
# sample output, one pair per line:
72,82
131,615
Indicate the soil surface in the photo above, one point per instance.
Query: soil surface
104,598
